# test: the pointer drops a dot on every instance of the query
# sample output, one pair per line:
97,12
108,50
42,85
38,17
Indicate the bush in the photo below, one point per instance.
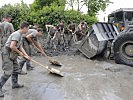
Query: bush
19,13
47,15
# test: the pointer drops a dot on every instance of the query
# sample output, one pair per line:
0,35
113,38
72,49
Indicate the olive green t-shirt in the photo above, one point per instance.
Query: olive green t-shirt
15,36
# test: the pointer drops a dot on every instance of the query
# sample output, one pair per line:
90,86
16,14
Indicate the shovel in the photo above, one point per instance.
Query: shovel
51,70
53,62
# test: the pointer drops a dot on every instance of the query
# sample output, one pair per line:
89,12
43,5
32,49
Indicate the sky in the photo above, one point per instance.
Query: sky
112,7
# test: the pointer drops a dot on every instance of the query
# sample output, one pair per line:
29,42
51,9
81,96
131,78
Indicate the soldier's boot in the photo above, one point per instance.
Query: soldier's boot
15,81
2,82
20,71
28,66
21,64
1,92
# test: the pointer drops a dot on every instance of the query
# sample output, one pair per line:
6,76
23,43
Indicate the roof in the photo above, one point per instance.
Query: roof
123,9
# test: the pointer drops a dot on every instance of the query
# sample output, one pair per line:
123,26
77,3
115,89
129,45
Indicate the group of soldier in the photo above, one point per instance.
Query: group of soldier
63,36
17,45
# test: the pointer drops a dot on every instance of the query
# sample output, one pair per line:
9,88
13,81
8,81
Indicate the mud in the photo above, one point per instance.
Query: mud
84,79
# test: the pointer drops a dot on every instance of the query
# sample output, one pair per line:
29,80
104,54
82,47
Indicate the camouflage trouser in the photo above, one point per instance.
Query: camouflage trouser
10,67
51,43
27,48
68,39
61,38
3,40
60,42
0,40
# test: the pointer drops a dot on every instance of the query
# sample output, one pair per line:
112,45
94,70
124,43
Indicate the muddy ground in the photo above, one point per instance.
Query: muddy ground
84,79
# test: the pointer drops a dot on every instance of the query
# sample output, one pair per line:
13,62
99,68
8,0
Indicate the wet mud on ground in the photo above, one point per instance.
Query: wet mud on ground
84,80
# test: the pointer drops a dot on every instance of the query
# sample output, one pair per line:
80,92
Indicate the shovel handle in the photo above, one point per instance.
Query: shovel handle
40,64
42,53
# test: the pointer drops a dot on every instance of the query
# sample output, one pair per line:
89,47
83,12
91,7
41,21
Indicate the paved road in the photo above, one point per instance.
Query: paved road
84,80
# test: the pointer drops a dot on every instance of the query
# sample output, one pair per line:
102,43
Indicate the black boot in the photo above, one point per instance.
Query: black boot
28,66
15,81
1,92
21,64
20,72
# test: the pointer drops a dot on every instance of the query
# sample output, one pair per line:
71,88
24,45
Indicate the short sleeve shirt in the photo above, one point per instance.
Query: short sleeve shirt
7,28
34,33
15,36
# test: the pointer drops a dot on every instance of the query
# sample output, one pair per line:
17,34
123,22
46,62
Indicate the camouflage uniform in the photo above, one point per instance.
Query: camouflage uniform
70,38
0,35
52,32
6,29
9,61
81,31
27,48
61,35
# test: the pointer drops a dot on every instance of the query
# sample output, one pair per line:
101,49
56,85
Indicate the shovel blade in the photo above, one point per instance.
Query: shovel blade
56,71
55,63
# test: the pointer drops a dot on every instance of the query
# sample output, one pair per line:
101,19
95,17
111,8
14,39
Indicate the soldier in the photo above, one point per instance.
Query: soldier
36,26
81,31
10,52
52,33
0,35
61,34
6,29
31,38
71,36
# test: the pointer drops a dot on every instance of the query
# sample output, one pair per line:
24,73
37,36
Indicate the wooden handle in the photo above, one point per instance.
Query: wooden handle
40,64
42,53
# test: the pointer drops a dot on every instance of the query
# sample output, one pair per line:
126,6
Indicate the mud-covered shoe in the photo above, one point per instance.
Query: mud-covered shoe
32,67
17,86
1,93
29,69
21,72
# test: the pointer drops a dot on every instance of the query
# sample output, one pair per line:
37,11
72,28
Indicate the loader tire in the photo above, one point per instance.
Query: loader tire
123,49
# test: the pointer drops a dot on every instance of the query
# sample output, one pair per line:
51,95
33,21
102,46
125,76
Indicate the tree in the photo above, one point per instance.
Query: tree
93,6
70,3
38,4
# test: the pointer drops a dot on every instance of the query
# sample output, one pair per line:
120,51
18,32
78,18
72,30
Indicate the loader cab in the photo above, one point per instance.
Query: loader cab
121,18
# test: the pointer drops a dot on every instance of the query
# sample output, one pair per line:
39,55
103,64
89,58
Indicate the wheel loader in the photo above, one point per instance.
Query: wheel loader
112,39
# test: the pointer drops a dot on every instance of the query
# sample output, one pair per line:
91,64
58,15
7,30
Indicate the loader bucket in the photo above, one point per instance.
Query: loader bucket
96,40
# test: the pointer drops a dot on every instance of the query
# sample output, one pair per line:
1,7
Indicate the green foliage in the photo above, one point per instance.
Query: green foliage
18,13
76,17
39,4
94,6
52,14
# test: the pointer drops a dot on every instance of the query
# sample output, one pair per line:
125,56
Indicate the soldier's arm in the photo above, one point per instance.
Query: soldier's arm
29,38
24,52
11,28
14,48
47,26
39,46
55,34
